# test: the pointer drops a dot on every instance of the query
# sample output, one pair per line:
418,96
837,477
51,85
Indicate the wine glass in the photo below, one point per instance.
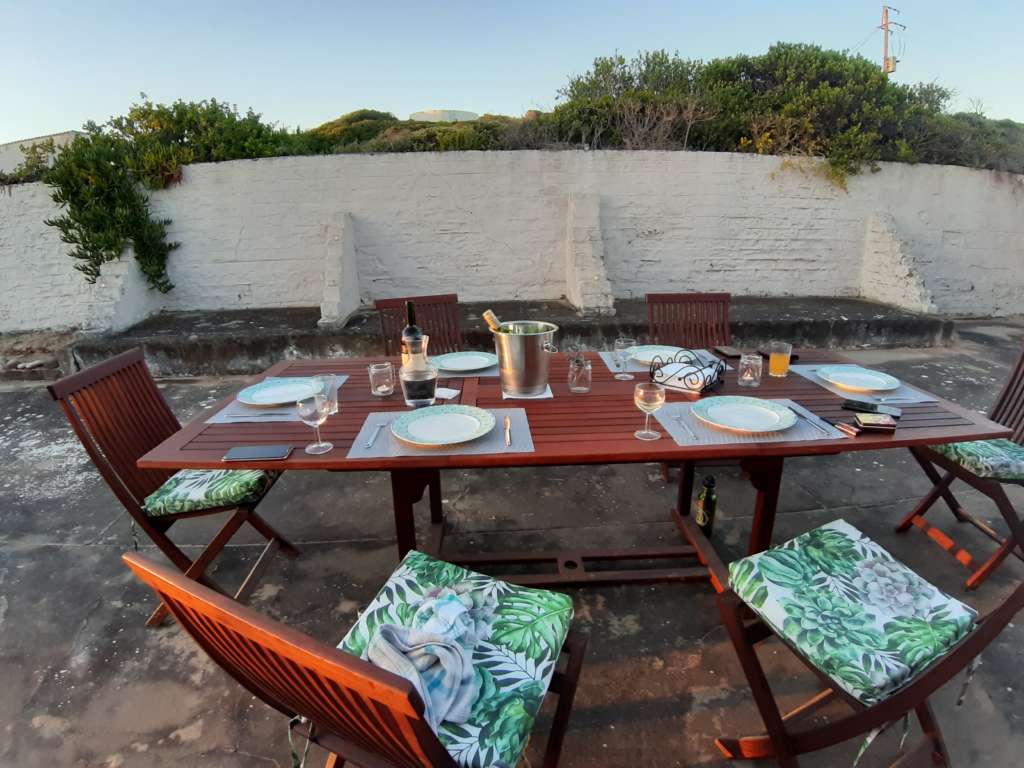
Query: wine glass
314,411
327,385
623,347
648,397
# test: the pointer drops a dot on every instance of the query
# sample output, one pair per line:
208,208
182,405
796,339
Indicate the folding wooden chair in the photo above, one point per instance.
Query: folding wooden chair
985,465
437,316
118,413
693,321
880,638
369,716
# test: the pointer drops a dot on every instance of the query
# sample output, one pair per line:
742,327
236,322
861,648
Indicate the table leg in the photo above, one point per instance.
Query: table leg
765,475
407,487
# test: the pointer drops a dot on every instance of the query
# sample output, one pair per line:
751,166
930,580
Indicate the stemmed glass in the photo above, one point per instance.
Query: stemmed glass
648,397
314,412
623,345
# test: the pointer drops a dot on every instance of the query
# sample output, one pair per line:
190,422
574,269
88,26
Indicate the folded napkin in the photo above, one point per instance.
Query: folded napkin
435,654
687,378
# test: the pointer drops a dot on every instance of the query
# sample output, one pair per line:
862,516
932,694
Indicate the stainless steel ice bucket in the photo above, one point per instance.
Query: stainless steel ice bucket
524,349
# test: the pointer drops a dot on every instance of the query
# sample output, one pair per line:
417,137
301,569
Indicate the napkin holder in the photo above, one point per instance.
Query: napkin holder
687,373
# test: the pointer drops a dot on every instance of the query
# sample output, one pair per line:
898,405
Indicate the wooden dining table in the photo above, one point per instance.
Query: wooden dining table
567,429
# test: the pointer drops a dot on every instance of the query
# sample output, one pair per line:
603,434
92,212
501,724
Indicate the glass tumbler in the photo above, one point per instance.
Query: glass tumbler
580,374
382,379
749,371
419,385
778,358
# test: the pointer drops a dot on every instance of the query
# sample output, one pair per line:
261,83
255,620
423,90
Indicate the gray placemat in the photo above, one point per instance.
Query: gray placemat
635,367
668,417
387,445
239,413
904,395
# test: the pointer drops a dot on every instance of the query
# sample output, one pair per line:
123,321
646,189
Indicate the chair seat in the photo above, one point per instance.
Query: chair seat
861,617
193,490
514,665
996,459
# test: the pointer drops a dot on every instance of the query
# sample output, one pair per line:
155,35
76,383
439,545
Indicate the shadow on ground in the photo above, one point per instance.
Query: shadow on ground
85,684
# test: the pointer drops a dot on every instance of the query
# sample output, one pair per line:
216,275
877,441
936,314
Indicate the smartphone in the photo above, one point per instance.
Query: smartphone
727,351
258,453
863,407
875,422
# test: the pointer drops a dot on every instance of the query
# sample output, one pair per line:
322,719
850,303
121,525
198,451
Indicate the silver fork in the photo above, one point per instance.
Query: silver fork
376,431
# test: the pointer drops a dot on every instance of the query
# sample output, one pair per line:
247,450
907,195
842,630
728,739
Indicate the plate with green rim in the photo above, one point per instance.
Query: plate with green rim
465,361
278,391
440,425
744,414
857,378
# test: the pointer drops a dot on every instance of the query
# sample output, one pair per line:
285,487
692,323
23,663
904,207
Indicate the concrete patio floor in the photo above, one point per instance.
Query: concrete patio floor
86,684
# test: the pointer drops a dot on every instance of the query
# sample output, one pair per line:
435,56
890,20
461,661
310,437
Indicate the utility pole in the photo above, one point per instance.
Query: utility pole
888,62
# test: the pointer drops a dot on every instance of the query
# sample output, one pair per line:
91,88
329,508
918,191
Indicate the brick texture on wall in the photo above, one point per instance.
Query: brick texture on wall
503,225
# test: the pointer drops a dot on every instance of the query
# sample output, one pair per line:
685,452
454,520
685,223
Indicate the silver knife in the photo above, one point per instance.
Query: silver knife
684,425
376,431
813,423
508,432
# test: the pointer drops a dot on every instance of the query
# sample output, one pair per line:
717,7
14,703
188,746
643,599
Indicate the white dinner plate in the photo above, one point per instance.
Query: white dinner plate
645,353
442,425
857,378
744,414
277,391
465,361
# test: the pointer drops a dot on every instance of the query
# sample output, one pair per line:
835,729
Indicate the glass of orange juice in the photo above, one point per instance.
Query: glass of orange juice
778,358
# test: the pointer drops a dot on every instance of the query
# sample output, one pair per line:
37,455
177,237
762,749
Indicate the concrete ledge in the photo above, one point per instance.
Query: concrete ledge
249,341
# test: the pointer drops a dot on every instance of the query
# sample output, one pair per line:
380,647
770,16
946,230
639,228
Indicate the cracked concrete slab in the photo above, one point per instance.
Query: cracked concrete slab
86,684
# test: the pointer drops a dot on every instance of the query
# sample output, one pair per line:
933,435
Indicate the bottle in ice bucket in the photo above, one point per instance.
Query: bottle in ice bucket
417,375
492,321
704,507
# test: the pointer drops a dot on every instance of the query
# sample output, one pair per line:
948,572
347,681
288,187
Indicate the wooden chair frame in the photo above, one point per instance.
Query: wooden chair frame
353,709
692,320
783,740
1008,411
437,316
118,414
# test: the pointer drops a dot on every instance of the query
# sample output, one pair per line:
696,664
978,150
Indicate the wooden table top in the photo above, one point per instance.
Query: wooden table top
595,428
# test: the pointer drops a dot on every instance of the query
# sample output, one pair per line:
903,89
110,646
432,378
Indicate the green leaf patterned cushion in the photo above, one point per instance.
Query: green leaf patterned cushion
191,490
859,615
514,664
996,459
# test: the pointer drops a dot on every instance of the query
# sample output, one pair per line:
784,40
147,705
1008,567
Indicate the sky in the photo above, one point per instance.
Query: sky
303,63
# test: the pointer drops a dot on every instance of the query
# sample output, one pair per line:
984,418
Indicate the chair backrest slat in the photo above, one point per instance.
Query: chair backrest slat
437,316
695,320
366,708
1009,407
119,414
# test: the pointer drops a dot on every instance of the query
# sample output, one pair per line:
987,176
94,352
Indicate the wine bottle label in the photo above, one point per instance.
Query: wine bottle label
698,512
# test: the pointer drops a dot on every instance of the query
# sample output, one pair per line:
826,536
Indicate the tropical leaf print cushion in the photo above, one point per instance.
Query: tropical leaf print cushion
514,664
997,459
191,490
862,617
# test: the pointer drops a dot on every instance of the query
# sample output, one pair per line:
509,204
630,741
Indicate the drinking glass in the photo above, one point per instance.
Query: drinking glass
623,347
580,374
419,385
648,397
778,358
314,411
749,370
327,385
382,379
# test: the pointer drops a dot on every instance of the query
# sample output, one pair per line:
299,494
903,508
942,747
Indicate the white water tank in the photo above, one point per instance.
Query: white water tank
444,116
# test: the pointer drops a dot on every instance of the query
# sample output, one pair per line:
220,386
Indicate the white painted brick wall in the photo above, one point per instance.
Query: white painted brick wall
493,225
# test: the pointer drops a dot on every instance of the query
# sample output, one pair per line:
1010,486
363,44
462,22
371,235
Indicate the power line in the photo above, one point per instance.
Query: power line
864,42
